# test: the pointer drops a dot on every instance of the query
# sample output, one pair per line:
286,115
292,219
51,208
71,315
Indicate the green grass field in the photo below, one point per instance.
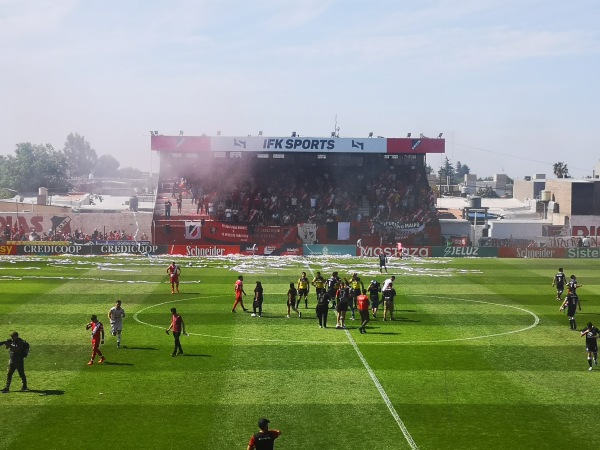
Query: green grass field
466,365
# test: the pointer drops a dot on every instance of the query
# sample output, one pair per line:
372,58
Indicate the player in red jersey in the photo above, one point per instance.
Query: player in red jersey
97,339
239,290
174,271
178,327
265,438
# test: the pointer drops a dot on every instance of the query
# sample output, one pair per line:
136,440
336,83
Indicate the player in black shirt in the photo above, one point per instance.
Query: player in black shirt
572,286
382,262
559,281
332,285
591,334
265,438
19,350
570,304
374,289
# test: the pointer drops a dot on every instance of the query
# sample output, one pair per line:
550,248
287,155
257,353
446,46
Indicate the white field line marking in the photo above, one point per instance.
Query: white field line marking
473,338
383,394
536,321
245,339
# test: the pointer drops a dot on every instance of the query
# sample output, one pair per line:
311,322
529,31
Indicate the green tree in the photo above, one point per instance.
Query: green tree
32,167
106,166
130,172
461,170
80,155
446,171
487,192
561,170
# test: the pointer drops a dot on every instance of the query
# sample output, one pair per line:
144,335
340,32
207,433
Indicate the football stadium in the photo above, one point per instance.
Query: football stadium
475,349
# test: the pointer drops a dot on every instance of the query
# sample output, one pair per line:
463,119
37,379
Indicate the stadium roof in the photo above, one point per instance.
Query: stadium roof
200,144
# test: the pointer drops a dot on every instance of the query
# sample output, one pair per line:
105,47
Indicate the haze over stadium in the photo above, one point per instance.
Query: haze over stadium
508,83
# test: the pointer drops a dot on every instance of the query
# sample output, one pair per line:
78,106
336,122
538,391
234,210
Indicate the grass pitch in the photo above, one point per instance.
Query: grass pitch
478,358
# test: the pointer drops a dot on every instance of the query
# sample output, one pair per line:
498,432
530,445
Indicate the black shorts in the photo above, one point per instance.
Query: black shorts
571,310
592,348
302,292
322,308
341,306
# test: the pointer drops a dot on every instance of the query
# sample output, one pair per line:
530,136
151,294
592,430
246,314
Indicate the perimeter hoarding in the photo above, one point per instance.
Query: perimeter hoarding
583,253
243,249
67,248
389,251
460,252
518,252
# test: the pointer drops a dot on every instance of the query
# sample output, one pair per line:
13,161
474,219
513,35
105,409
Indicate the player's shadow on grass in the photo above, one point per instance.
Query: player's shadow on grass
112,363
139,348
196,355
408,310
404,319
46,391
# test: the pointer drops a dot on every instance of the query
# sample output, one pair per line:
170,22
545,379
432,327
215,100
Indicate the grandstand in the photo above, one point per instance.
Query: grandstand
298,190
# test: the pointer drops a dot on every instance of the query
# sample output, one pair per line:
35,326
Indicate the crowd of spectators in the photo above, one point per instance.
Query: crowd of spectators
291,195
18,233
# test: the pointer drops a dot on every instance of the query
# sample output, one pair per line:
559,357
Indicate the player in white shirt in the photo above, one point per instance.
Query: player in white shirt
116,315
387,282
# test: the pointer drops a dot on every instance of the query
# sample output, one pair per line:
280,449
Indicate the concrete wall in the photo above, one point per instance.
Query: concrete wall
516,229
455,227
561,189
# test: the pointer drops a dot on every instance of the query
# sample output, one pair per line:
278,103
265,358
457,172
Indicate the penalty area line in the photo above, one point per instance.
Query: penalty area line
383,394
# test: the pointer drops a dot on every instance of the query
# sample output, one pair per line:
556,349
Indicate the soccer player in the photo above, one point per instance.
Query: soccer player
333,284
319,284
343,298
17,354
387,282
570,304
178,327
97,339
374,289
382,263
322,309
591,334
572,286
258,300
116,316
303,284
292,293
388,301
239,290
265,438
362,302
356,287
174,271
559,281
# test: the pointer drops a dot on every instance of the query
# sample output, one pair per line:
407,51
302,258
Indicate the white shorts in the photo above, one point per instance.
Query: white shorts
116,326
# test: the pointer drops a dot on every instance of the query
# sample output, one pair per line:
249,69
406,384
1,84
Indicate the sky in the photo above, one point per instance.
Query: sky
511,84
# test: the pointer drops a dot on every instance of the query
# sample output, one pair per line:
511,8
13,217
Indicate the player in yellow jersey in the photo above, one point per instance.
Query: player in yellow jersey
303,285
319,283
356,288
